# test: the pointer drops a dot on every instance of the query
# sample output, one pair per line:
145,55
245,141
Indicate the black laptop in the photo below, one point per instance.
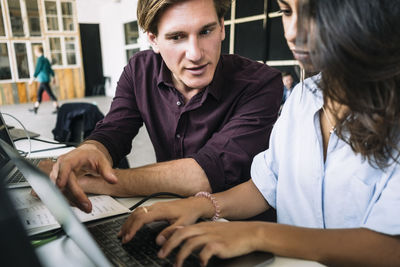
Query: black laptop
98,240
15,178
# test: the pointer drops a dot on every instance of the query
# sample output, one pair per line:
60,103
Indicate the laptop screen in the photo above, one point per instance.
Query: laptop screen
58,206
14,241
4,134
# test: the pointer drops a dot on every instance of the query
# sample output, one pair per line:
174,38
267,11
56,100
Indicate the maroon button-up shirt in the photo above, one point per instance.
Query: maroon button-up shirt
223,127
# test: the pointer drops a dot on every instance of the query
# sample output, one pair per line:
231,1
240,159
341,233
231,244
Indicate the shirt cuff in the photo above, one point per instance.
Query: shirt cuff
263,178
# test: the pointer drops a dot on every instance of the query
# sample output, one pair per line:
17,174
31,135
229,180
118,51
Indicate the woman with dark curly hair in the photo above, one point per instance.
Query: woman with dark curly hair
332,171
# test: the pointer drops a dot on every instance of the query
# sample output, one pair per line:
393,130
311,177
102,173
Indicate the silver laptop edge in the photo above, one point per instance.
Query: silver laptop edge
7,136
58,206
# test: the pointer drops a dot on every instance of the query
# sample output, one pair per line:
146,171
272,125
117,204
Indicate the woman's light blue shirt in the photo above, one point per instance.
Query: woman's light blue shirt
345,191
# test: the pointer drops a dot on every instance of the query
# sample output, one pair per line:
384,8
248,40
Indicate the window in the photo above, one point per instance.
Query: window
22,60
51,15
67,16
2,30
33,17
131,30
5,70
245,29
17,25
70,50
59,15
63,51
55,51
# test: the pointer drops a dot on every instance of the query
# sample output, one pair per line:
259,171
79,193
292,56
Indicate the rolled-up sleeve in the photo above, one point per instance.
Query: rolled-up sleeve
227,156
384,212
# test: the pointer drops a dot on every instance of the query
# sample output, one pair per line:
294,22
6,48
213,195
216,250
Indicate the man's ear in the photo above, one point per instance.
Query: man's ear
221,22
153,42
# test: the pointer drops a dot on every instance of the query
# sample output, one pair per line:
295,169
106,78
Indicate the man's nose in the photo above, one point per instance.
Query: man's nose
193,51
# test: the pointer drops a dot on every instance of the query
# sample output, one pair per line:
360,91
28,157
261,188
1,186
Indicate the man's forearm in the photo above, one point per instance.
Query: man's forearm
183,176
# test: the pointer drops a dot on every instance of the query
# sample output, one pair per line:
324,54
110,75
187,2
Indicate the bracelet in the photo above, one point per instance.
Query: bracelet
213,201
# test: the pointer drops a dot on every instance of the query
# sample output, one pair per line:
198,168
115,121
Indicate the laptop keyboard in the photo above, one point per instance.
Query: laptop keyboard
17,176
140,251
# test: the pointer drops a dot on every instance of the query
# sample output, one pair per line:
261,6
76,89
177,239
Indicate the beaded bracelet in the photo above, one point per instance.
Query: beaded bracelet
213,201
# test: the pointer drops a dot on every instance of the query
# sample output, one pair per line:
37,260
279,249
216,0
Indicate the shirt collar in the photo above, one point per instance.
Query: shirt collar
164,80
164,76
312,85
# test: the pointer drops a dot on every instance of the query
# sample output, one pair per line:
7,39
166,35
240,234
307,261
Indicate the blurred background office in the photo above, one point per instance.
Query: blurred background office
90,41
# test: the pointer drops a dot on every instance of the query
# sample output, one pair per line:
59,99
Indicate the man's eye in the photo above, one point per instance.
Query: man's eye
285,12
205,32
176,37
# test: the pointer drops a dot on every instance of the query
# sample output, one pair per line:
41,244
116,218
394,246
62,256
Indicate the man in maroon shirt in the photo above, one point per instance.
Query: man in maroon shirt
207,115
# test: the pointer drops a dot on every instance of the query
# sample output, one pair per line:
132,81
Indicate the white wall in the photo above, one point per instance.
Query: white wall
111,15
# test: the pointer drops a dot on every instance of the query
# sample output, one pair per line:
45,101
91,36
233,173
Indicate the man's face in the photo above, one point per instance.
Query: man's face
287,81
189,40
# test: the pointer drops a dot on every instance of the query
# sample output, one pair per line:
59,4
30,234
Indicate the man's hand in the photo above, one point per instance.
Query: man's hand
87,159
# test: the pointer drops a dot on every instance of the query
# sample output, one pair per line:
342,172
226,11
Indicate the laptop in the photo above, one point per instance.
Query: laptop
15,178
98,241
16,134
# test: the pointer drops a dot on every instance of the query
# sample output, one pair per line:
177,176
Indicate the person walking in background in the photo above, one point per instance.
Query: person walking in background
43,71
288,85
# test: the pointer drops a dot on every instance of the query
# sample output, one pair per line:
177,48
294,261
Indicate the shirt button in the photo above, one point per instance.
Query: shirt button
178,136
179,103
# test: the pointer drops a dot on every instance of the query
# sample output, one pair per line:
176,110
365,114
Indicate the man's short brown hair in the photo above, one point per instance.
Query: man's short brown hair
149,11
39,49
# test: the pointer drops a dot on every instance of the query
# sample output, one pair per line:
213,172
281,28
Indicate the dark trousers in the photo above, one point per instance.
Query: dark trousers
45,87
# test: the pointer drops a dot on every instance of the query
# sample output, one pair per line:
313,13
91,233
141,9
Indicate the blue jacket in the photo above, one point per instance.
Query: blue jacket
43,70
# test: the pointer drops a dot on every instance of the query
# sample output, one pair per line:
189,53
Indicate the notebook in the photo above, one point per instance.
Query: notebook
15,178
104,232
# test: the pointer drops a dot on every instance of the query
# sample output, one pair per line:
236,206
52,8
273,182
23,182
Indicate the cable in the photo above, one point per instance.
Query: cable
48,149
50,142
26,132
155,195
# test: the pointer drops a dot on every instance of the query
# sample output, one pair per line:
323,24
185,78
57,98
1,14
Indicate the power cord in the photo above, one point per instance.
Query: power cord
159,194
49,142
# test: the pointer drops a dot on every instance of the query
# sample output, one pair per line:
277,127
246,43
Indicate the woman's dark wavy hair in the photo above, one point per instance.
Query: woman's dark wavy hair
357,49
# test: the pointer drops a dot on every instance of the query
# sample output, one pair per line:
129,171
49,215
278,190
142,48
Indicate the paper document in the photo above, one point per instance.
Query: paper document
37,218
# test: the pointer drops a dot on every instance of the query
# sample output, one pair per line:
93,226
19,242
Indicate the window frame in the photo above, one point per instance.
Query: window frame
137,45
10,62
29,57
60,17
233,21
24,17
27,23
64,52
5,16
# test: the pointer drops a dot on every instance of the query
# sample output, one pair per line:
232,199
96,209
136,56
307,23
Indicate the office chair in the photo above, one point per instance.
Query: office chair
75,122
